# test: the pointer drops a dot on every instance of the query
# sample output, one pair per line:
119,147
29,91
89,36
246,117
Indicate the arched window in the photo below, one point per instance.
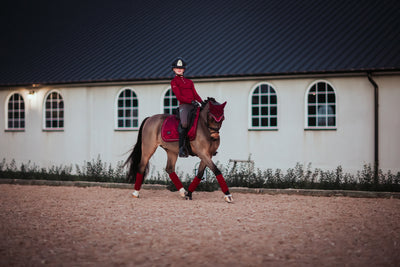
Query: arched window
15,112
321,106
264,107
54,111
127,110
170,102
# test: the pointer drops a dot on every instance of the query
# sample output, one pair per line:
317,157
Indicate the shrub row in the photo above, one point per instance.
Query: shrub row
299,177
93,171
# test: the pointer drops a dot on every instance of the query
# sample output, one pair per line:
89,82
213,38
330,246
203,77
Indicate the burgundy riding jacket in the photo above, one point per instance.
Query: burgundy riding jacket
184,90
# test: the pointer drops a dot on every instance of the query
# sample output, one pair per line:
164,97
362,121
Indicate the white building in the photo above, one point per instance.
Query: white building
289,101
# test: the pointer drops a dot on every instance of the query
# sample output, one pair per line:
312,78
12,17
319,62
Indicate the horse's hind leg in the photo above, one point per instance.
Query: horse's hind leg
196,181
146,155
172,157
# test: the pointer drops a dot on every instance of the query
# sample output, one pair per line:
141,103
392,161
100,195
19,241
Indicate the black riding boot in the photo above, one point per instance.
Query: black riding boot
183,153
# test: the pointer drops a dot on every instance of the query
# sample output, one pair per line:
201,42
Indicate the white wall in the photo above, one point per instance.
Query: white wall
90,126
389,122
350,145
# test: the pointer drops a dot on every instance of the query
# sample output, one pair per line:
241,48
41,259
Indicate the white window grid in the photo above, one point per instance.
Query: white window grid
264,107
16,113
128,110
321,106
170,103
54,111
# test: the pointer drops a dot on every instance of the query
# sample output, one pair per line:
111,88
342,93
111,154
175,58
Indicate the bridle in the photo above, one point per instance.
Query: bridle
214,131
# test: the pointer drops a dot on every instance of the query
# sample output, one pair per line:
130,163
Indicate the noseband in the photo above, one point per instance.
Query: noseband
214,131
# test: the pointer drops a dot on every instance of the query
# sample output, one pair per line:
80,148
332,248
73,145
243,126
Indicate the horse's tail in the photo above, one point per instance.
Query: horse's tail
134,158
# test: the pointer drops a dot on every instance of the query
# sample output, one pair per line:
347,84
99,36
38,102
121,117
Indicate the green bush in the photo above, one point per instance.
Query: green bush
98,171
238,175
95,171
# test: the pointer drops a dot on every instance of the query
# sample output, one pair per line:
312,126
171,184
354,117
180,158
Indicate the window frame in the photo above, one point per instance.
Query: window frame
7,128
51,129
250,108
116,117
306,106
162,101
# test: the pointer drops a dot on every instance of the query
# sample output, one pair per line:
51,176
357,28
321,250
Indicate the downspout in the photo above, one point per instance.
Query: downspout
376,125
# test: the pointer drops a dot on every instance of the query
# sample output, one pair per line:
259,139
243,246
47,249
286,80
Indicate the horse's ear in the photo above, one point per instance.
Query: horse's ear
223,104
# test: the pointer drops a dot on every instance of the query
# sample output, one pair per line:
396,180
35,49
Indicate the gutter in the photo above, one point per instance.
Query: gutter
376,125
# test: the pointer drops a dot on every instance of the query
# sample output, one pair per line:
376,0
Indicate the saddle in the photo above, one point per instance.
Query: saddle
169,129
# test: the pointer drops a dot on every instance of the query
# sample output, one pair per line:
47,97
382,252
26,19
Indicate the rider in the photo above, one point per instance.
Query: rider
188,99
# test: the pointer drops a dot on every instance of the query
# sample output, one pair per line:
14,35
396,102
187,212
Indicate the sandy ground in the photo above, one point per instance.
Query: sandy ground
72,226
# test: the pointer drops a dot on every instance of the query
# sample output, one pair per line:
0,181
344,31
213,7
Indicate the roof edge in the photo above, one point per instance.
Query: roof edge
207,78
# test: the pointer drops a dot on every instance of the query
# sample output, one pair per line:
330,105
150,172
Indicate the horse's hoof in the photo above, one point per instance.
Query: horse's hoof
135,194
182,192
188,195
228,198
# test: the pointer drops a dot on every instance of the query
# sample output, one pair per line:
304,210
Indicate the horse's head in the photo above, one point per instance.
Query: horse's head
215,116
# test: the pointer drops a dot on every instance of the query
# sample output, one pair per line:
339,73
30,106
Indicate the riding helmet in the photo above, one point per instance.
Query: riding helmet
179,63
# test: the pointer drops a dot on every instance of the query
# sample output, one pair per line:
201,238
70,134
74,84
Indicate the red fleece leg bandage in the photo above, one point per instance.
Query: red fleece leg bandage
222,183
196,181
139,181
175,179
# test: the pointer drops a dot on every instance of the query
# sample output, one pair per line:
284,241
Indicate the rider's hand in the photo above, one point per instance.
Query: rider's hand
196,104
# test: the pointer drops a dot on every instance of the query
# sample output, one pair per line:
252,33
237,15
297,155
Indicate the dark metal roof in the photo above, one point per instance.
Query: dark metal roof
90,41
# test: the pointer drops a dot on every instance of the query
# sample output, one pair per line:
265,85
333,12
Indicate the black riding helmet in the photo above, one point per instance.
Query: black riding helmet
179,63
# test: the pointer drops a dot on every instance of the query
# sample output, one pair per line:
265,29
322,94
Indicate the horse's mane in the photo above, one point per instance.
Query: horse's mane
209,99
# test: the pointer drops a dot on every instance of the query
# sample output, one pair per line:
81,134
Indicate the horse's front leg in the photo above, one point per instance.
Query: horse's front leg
207,162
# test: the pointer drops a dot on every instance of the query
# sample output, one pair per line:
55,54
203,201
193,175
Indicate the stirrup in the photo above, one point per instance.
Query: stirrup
135,194
182,192
228,198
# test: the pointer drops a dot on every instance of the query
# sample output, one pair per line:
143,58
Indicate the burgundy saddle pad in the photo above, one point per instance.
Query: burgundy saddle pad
169,129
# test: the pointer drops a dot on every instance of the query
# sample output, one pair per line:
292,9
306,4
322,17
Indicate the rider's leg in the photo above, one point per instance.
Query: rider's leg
182,141
184,111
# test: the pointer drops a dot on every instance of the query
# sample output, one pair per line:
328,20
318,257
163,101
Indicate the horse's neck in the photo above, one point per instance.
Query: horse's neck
204,114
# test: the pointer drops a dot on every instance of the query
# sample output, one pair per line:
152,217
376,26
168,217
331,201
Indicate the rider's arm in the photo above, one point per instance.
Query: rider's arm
175,89
196,95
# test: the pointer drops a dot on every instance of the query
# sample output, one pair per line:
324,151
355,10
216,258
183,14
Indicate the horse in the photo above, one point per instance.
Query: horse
204,146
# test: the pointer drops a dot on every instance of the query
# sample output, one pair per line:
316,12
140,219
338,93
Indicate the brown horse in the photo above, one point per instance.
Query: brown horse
204,146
